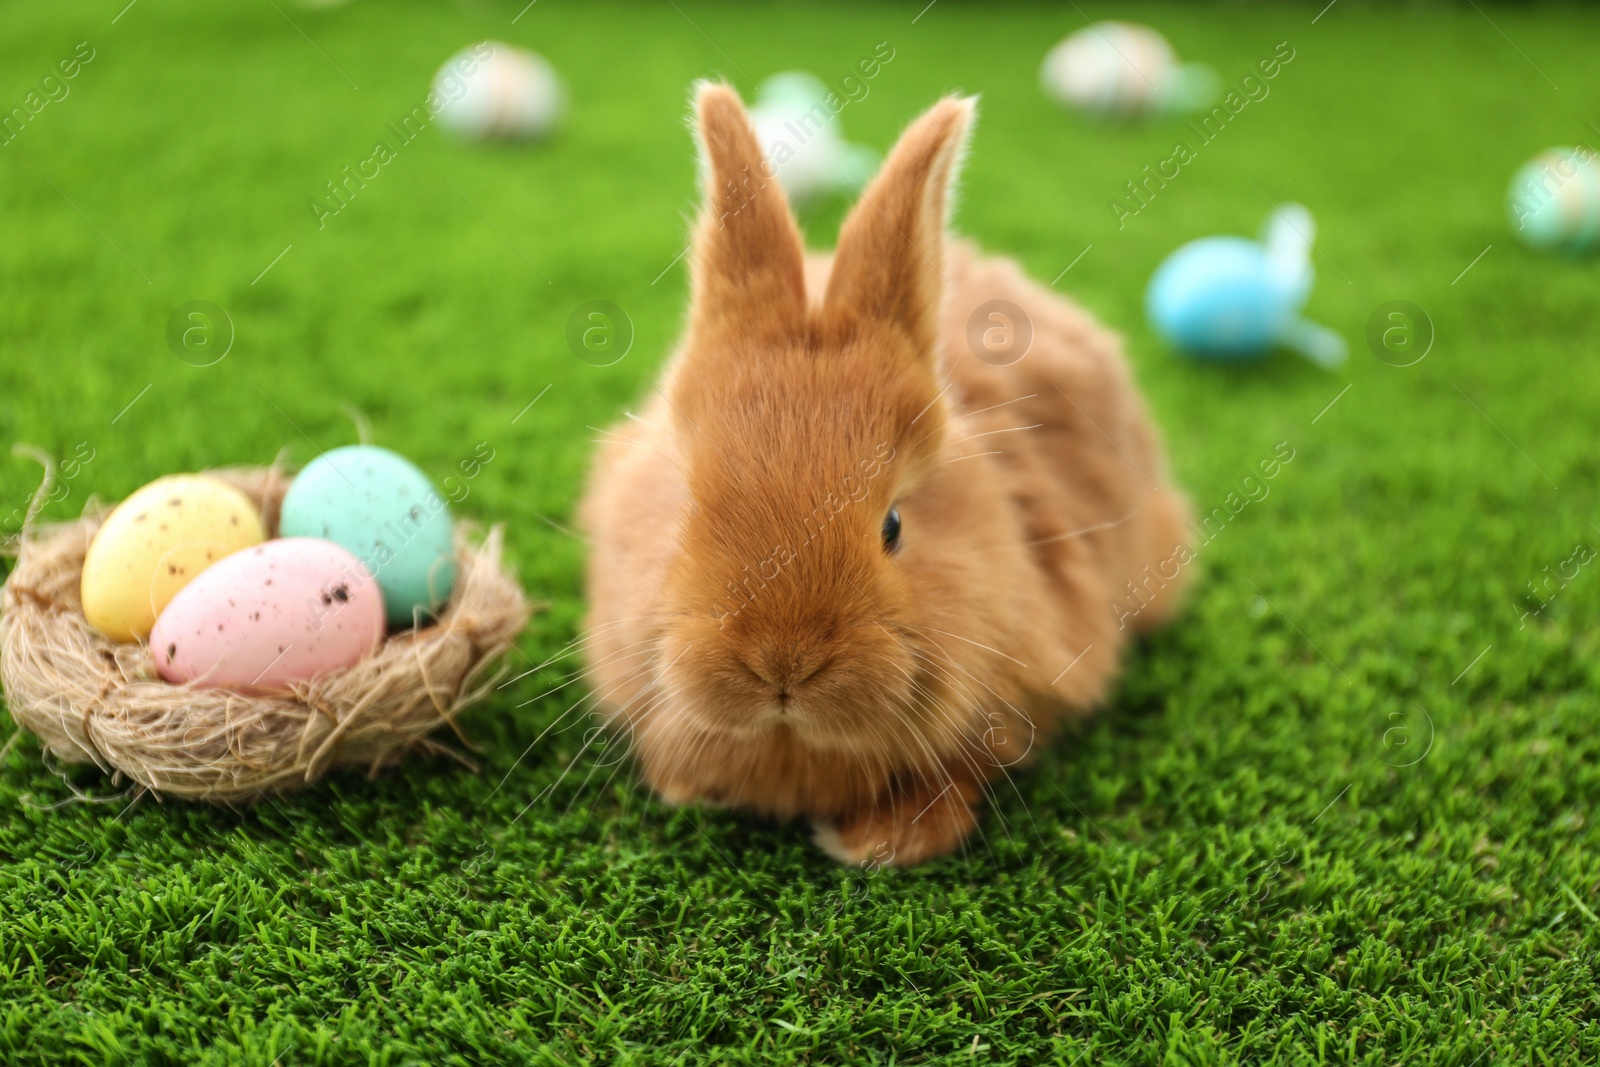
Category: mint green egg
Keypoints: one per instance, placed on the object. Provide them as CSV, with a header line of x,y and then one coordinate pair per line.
x,y
1554,201
383,510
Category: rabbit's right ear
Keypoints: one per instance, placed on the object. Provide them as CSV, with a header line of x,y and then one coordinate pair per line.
x,y
891,248
748,264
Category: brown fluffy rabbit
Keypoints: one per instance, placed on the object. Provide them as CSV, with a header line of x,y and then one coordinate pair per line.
x,y
841,566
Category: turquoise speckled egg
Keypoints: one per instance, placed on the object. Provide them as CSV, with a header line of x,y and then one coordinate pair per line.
x,y
383,510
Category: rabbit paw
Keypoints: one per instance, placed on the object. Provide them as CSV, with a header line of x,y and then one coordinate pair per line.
x,y
901,830
685,795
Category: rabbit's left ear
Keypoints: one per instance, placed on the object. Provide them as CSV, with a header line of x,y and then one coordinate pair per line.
x,y
890,262
749,261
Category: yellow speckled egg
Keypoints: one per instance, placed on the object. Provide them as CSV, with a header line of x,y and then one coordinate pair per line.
x,y
155,542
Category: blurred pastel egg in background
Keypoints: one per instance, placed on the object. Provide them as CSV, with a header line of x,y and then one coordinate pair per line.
x,y
1124,70
1554,201
1230,298
800,132
495,90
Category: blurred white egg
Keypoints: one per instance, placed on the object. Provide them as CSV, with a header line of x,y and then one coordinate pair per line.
x,y
799,131
494,90
1121,70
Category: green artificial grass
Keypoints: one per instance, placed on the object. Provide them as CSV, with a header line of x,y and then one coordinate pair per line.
x,y
1341,812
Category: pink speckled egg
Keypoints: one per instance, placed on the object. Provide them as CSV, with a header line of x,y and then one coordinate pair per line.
x,y
286,610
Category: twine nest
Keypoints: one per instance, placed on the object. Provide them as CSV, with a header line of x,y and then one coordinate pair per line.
x,y
91,700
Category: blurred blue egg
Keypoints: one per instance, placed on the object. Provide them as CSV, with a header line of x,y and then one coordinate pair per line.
x,y
1214,298
1233,299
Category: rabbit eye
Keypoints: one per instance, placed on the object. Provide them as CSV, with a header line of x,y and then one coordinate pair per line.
x,y
891,530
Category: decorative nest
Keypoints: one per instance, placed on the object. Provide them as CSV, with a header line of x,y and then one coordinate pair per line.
x,y
92,700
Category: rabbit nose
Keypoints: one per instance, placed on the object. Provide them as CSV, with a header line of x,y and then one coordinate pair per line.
x,y
784,669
